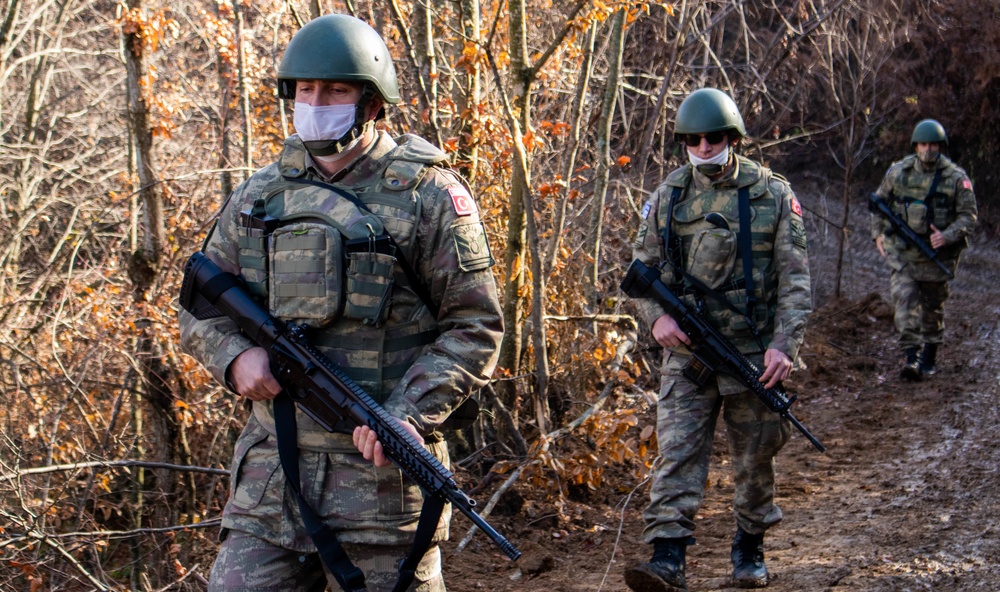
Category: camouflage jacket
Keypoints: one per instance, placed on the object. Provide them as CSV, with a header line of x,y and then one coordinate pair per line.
x,y
951,209
780,260
436,224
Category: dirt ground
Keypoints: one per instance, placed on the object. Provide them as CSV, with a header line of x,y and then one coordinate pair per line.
x,y
904,499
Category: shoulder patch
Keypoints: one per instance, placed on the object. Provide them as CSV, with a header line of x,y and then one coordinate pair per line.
x,y
645,210
966,184
798,233
463,202
796,206
471,246
640,237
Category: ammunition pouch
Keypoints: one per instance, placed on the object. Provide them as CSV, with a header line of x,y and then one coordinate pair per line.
x,y
306,273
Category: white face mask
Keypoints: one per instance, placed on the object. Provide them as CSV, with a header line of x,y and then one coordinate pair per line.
x,y
710,166
720,159
328,122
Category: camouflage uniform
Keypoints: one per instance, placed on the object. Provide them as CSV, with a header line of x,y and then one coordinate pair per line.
x,y
420,368
686,415
919,287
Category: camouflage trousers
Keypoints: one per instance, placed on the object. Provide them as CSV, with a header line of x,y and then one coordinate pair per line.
x,y
249,564
374,512
919,309
686,419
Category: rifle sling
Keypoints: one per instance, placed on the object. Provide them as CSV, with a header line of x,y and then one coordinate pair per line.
x,y
350,578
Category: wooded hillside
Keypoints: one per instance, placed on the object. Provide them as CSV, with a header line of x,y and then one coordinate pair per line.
x,y
124,126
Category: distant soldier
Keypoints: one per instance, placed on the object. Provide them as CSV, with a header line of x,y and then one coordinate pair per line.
x,y
378,249
934,197
729,236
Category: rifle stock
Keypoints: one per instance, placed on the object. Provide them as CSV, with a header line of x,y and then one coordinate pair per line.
x,y
899,226
319,387
710,349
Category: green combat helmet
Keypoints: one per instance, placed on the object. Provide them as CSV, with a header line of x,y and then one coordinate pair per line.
x,y
708,110
929,131
339,47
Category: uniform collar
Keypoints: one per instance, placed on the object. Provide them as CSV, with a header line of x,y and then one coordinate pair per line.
x,y
295,161
726,179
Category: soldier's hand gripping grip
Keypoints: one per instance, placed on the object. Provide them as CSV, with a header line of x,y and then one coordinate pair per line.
x,y
899,226
707,344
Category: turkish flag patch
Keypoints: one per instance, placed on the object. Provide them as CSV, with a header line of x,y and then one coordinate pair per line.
x,y
463,202
966,184
796,206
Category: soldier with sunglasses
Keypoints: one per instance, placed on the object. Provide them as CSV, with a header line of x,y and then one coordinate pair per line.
x,y
728,235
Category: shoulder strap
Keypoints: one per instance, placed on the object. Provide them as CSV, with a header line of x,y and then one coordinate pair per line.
x,y
746,248
671,243
350,578
934,184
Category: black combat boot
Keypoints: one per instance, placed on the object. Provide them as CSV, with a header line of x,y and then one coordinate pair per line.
x,y
664,572
911,370
748,560
928,359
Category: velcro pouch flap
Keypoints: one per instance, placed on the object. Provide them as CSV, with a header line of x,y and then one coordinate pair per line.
x,y
306,274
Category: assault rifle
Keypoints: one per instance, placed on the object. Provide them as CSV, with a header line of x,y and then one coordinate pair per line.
x,y
319,386
710,349
898,226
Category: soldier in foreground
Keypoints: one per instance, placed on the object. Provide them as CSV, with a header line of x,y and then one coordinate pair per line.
x,y
379,250
934,197
729,235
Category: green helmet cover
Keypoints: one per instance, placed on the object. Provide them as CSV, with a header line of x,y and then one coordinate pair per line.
x,y
708,110
929,131
338,47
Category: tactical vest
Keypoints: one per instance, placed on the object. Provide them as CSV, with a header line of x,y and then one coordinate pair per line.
x,y
318,259
921,198
713,255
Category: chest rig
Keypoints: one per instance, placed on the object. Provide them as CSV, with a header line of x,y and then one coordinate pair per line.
x,y
923,198
727,275
335,258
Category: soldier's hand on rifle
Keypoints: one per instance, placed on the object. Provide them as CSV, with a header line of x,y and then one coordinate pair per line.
x,y
369,446
250,374
880,244
937,238
777,367
667,333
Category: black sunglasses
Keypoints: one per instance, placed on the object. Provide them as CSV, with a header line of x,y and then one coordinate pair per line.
x,y
693,140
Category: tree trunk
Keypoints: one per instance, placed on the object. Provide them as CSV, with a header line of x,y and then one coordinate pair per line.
x,y
423,26
573,149
160,436
513,305
468,152
244,92
604,154
227,78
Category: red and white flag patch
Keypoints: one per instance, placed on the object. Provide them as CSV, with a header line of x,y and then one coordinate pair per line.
x,y
966,184
463,202
796,206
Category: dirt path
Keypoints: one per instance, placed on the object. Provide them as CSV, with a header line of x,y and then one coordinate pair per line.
x,y
906,498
